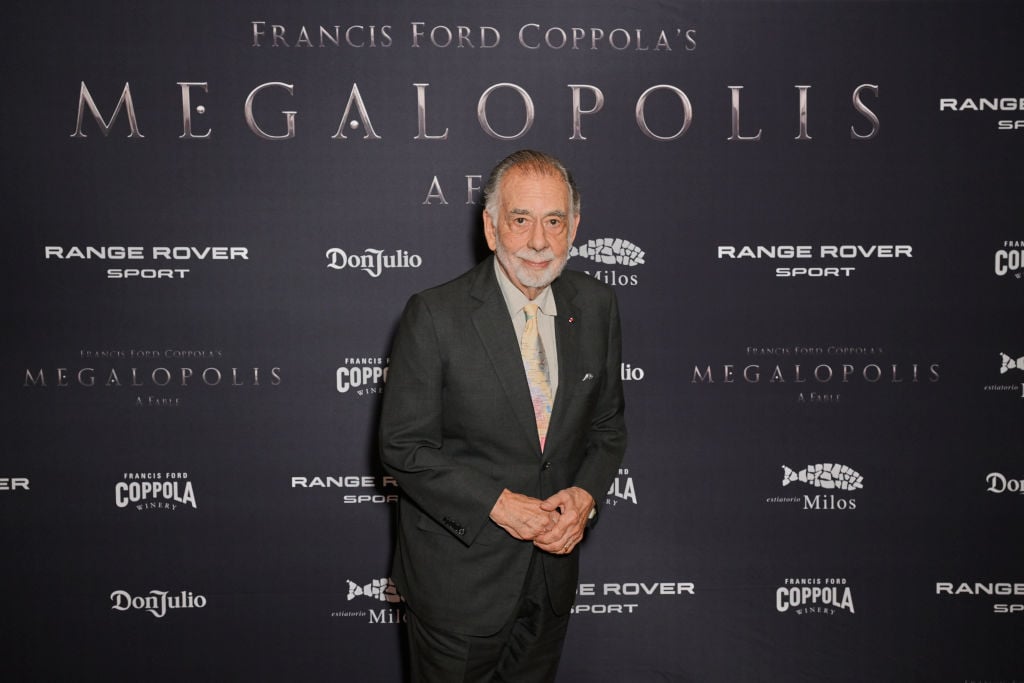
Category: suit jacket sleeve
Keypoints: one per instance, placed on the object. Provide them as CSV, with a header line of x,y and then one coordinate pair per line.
x,y
451,490
606,440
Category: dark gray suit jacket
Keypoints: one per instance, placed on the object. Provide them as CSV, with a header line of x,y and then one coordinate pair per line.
x,y
457,427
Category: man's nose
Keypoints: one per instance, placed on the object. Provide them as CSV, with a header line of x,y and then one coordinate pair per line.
x,y
538,238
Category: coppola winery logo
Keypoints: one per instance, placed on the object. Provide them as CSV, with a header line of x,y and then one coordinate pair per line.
x,y
814,596
622,489
362,376
1009,260
155,491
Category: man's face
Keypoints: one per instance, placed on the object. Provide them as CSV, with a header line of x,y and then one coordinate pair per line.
x,y
532,234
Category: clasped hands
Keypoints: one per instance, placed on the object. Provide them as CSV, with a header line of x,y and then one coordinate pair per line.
x,y
554,525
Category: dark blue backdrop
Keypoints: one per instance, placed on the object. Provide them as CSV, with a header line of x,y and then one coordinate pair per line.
x,y
199,318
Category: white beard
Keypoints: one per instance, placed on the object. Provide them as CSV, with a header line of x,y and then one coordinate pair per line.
x,y
528,277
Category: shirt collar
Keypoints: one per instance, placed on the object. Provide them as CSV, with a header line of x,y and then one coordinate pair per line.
x,y
515,299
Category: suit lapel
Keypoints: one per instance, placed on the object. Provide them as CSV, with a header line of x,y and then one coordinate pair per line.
x,y
567,338
493,324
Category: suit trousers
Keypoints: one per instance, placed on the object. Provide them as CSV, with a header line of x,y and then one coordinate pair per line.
x,y
527,649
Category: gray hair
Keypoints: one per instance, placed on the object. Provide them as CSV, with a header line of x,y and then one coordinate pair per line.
x,y
530,161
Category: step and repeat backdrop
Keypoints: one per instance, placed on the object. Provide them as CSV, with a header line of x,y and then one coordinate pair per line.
x,y
811,213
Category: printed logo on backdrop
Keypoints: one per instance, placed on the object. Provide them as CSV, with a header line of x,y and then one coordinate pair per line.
x,y
150,378
14,484
814,596
622,490
999,113
378,602
155,491
358,489
1010,370
614,257
365,376
1009,260
627,597
1005,597
587,100
421,35
145,263
807,261
156,602
834,483
659,42
999,483
372,261
651,41
816,375
631,373
1010,363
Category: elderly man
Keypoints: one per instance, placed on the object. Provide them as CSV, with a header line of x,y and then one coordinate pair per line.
x,y
503,424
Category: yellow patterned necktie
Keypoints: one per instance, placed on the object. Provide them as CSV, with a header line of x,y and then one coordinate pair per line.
x,y
536,365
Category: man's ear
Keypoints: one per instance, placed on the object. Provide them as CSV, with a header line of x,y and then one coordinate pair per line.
x,y
490,231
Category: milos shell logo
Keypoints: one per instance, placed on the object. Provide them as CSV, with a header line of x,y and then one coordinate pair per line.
x,y
825,476
378,589
610,251
1010,363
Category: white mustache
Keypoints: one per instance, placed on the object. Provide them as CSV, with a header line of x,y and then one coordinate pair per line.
x,y
533,256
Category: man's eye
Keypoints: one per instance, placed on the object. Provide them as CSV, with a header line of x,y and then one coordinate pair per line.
x,y
519,221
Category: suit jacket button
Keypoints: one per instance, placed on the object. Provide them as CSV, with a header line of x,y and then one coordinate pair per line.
x,y
547,465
